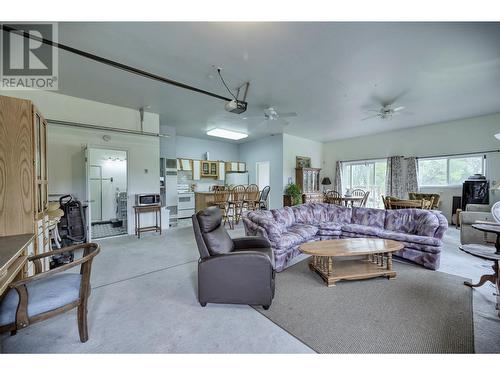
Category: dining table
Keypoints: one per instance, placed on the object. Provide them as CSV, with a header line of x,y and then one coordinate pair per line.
x,y
350,200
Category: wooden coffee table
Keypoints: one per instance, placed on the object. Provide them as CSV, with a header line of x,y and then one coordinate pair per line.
x,y
376,258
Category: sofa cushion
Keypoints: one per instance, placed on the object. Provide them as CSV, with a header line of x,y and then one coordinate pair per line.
x,y
305,231
320,212
339,214
368,216
304,214
43,295
412,221
290,239
405,237
362,229
284,217
218,241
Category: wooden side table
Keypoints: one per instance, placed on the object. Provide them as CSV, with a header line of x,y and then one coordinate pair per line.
x,y
138,210
487,253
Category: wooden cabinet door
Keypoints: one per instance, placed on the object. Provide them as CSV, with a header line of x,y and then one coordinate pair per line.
x,y
242,167
213,169
222,172
196,170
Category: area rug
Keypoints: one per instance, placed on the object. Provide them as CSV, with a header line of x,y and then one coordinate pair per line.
x,y
420,311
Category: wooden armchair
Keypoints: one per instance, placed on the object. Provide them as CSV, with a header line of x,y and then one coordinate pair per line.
x,y
396,204
50,293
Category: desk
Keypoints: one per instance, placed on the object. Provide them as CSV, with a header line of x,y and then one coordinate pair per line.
x,y
13,258
138,210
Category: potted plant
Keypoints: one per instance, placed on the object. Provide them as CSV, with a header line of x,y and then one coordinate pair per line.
x,y
293,191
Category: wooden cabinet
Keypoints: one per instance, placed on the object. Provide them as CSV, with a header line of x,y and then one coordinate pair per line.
x,y
209,168
309,183
23,171
222,171
236,166
184,164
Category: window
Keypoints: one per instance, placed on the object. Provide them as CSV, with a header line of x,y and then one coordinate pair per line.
x,y
368,175
448,171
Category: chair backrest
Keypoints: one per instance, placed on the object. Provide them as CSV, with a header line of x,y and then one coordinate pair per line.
x,y
396,204
333,197
252,192
365,199
238,193
211,236
427,196
264,193
358,193
221,197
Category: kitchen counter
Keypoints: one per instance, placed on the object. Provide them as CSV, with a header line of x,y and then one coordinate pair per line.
x,y
203,199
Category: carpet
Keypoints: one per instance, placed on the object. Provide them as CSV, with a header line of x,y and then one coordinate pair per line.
x,y
420,311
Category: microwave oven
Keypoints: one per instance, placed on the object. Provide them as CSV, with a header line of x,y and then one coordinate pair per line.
x,y
147,199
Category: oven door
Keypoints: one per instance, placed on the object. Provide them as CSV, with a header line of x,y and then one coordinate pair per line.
x,y
185,201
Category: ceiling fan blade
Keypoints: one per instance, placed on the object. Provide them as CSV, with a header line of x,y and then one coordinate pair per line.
x,y
289,114
369,117
397,109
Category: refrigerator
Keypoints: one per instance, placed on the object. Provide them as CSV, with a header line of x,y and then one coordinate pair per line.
x,y
236,178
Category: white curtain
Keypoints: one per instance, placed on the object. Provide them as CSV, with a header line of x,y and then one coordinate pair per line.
x,y
411,174
337,183
394,185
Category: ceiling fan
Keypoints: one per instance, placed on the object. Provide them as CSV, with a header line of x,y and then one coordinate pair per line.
x,y
270,114
385,112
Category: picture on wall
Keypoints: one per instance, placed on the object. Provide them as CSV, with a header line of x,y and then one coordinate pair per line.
x,y
302,162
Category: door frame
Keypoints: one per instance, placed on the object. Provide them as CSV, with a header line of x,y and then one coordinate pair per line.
x,y
87,149
269,177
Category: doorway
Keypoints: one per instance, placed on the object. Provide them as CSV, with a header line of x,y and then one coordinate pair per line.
x,y
107,183
263,175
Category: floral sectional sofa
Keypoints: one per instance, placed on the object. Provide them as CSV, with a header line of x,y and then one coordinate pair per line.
x,y
287,228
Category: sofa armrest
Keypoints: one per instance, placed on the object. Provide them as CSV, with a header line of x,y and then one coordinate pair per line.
x,y
471,217
251,242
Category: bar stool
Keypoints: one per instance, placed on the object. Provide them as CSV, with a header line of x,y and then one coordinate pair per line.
x,y
221,200
251,200
236,202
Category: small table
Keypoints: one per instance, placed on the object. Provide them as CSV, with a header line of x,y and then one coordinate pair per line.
x,y
138,210
350,200
377,260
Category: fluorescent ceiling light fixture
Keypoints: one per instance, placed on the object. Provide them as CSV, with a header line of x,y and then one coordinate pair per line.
x,y
224,133
497,136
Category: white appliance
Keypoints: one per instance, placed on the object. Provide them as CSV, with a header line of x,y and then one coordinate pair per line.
x,y
236,178
171,189
185,205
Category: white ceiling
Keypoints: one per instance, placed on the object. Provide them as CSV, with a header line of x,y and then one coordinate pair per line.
x,y
329,73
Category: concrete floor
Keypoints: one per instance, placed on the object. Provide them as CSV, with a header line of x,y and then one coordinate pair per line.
x,y
144,301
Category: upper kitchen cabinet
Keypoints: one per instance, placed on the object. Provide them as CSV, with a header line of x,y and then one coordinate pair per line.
x,y
236,166
196,169
184,165
209,168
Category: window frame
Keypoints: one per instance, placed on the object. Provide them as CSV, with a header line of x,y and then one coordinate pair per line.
x,y
448,158
348,184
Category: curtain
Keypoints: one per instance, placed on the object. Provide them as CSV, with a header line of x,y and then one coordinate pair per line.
x,y
394,185
337,184
411,175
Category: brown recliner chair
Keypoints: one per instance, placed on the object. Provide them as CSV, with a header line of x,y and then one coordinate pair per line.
x,y
230,270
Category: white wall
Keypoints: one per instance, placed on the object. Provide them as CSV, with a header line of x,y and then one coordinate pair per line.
x,y
295,146
462,136
195,148
266,149
66,164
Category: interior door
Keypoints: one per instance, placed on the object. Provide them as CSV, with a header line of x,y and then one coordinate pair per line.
x,y
86,192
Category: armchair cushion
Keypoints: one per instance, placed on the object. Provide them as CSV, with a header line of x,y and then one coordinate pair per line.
x,y
244,243
43,295
218,241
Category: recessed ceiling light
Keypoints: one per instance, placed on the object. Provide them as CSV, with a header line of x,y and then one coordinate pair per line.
x,y
224,133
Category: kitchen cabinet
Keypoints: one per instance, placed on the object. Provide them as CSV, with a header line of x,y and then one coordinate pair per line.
x,y
184,164
222,171
196,170
209,168
236,166
24,178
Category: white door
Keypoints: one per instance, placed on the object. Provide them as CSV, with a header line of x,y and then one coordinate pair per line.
x,y
87,199
263,174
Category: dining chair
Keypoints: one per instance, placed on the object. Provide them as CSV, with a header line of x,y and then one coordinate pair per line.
x,y
50,293
251,199
333,197
236,202
358,193
221,200
263,198
365,199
